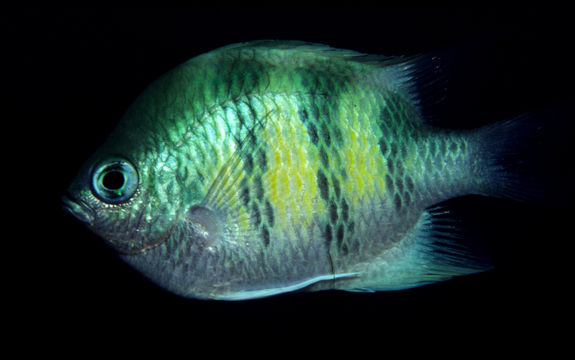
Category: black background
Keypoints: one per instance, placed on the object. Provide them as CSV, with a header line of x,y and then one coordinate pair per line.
x,y
71,73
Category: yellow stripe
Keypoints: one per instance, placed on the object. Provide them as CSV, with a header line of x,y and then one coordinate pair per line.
x,y
361,157
290,179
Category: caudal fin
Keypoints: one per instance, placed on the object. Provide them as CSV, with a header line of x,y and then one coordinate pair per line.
x,y
528,158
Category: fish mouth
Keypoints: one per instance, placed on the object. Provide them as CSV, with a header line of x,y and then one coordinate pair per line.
x,y
79,209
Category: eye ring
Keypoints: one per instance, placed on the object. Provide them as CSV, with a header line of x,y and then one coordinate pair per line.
x,y
114,181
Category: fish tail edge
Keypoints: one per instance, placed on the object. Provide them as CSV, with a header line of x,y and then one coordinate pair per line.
x,y
525,158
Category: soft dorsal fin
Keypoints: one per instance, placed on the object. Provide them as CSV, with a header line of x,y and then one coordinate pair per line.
x,y
421,77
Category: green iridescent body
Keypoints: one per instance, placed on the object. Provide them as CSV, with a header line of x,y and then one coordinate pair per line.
x,y
269,167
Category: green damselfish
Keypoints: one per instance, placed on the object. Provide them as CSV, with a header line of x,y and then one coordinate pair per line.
x,y
273,166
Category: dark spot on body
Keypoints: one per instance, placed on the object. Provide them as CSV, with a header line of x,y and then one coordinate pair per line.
x,y
266,236
256,214
336,188
344,249
248,163
328,234
333,212
245,192
344,210
200,176
390,167
453,147
324,132
304,116
312,132
269,212
339,234
382,146
399,184
337,136
258,187
397,201
323,185
262,160
350,227
393,149
323,157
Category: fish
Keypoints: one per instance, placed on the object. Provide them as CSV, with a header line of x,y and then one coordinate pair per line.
x,y
268,167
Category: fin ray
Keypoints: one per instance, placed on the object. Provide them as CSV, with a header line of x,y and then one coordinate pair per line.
x,y
441,246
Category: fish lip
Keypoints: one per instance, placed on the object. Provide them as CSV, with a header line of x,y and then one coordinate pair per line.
x,y
78,208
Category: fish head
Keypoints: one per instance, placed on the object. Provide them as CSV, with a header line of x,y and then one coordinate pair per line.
x,y
111,196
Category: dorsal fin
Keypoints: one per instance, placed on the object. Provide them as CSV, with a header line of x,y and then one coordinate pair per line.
x,y
420,77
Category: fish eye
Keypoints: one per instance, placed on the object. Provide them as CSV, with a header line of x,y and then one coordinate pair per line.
x,y
114,181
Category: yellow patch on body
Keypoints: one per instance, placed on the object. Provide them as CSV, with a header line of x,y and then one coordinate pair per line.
x,y
290,179
364,165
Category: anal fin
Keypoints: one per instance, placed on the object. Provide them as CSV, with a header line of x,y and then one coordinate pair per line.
x,y
440,246
449,245
259,293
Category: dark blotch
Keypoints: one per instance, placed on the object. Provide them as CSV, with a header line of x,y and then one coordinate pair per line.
x,y
315,111
252,72
256,214
399,168
241,118
344,210
333,212
393,148
336,187
262,160
397,201
337,136
269,214
399,184
328,234
248,163
350,227
339,235
245,192
259,188
304,115
322,184
312,132
382,146
453,147
200,176
266,236
324,132
323,157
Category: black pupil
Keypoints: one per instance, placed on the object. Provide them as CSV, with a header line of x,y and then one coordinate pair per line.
x,y
113,180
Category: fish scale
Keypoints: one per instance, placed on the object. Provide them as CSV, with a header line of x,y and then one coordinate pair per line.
x,y
267,167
